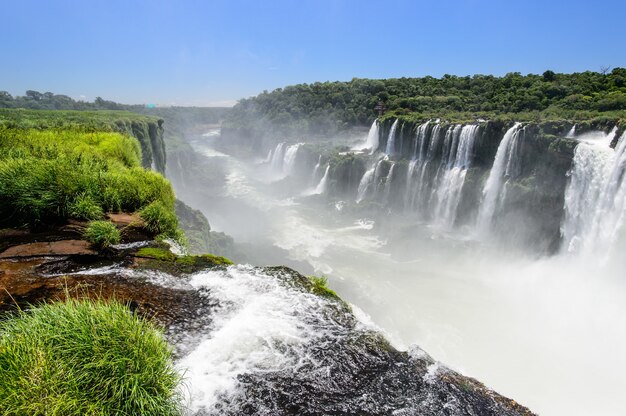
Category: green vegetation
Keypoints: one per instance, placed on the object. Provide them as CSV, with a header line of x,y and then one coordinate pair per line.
x,y
48,176
324,108
102,234
53,174
85,208
165,260
147,130
81,357
160,219
319,286
161,254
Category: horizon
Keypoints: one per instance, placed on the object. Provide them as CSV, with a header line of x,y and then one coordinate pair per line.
x,y
212,55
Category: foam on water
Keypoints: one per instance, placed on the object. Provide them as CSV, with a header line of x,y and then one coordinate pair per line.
x,y
260,325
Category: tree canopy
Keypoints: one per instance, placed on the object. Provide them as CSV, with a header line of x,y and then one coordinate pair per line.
x,y
325,106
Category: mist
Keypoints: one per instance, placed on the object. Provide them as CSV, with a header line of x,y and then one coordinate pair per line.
x,y
534,321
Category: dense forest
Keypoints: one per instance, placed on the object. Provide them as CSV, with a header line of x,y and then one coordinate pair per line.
x,y
329,106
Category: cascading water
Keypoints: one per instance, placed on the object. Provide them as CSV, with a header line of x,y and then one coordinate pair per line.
x,y
595,198
262,326
445,162
416,182
316,170
451,184
388,181
505,166
290,158
321,187
391,140
369,179
372,137
421,138
283,159
572,132
276,163
365,183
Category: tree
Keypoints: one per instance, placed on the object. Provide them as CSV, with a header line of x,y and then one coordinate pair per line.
x,y
549,76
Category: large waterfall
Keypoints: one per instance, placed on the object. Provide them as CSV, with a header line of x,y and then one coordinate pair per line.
x,y
505,166
595,199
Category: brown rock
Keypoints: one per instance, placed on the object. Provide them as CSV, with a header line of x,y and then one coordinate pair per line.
x,y
51,248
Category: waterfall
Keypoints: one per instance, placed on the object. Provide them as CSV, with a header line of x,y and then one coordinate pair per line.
x,y
571,133
420,141
595,197
388,179
278,156
505,166
268,159
448,193
416,183
369,177
365,183
321,187
316,170
290,158
391,140
372,137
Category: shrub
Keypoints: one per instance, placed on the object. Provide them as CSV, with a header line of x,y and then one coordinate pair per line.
x,y
102,234
81,357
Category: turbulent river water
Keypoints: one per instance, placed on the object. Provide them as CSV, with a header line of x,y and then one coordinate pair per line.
x,y
547,331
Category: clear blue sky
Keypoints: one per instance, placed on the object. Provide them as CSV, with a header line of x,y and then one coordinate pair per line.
x,y
206,52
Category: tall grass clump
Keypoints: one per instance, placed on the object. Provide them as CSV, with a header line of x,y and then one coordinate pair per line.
x,y
160,219
81,357
102,234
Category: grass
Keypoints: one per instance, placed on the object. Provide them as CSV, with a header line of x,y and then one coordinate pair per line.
x,y
102,234
319,286
80,357
159,218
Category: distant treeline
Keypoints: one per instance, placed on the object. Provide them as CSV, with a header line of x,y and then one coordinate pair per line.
x,y
36,100
178,120
324,107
